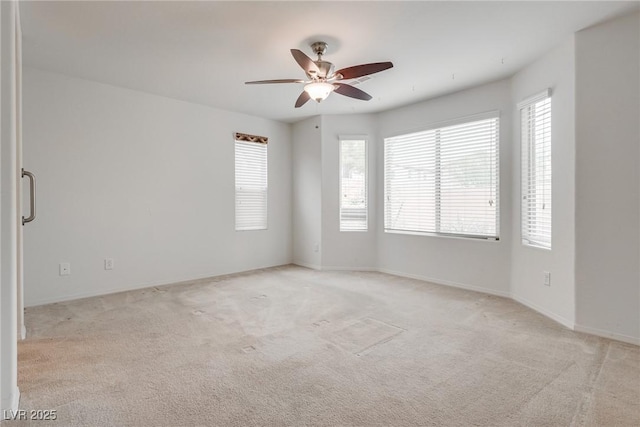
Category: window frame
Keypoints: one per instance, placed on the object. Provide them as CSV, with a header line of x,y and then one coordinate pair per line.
x,y
525,238
365,140
494,114
246,140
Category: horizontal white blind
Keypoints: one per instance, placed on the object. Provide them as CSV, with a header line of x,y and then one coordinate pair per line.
x,y
251,185
444,180
353,185
536,173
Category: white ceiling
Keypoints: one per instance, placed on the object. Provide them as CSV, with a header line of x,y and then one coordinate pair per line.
x,y
203,52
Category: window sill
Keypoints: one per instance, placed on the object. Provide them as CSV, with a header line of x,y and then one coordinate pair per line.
x,y
447,236
527,244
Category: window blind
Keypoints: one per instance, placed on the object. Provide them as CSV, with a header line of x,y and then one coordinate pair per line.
x,y
251,185
353,185
444,180
536,172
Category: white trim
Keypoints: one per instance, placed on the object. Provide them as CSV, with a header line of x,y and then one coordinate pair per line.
x,y
534,98
561,320
307,265
551,315
446,283
19,164
564,322
23,332
468,237
118,289
348,137
527,244
607,334
333,268
102,292
12,402
9,175
354,269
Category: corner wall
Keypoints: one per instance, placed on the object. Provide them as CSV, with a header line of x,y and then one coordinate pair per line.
x,y
307,192
144,180
555,70
355,250
468,263
608,179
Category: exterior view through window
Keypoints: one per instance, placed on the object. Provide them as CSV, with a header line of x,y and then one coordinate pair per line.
x,y
353,185
444,180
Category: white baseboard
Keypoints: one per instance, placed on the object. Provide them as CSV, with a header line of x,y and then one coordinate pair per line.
x,y
107,291
118,289
325,268
607,334
553,316
307,265
446,283
12,402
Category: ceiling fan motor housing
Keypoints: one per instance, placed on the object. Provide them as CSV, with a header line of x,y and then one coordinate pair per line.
x,y
325,70
319,48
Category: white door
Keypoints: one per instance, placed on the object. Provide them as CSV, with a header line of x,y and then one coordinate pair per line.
x,y
10,198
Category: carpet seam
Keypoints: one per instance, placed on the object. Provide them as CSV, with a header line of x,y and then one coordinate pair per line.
x,y
584,405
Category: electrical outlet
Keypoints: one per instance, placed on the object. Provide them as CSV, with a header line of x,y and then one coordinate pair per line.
x,y
316,247
65,268
108,263
547,278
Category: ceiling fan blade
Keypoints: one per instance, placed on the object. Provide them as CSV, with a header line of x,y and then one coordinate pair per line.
x,y
363,70
351,92
305,62
263,82
302,99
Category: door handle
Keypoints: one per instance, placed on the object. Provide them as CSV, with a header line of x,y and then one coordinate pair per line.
x,y
32,196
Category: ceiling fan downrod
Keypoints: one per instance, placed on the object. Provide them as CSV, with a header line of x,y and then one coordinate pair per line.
x,y
319,48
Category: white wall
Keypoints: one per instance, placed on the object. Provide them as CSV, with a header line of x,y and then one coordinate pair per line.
x,y
607,178
142,179
471,263
555,70
307,192
354,250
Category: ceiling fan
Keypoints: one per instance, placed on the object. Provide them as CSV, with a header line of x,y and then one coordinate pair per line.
x,y
323,79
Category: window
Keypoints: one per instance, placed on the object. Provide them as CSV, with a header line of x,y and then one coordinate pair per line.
x,y
444,180
353,185
251,182
535,114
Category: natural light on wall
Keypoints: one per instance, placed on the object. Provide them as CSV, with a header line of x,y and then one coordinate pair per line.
x,y
444,180
353,185
535,122
251,182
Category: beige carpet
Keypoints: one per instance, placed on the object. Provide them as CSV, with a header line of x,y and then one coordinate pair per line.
x,y
294,347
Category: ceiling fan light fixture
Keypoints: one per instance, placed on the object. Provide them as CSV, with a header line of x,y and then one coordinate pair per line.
x,y
318,91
